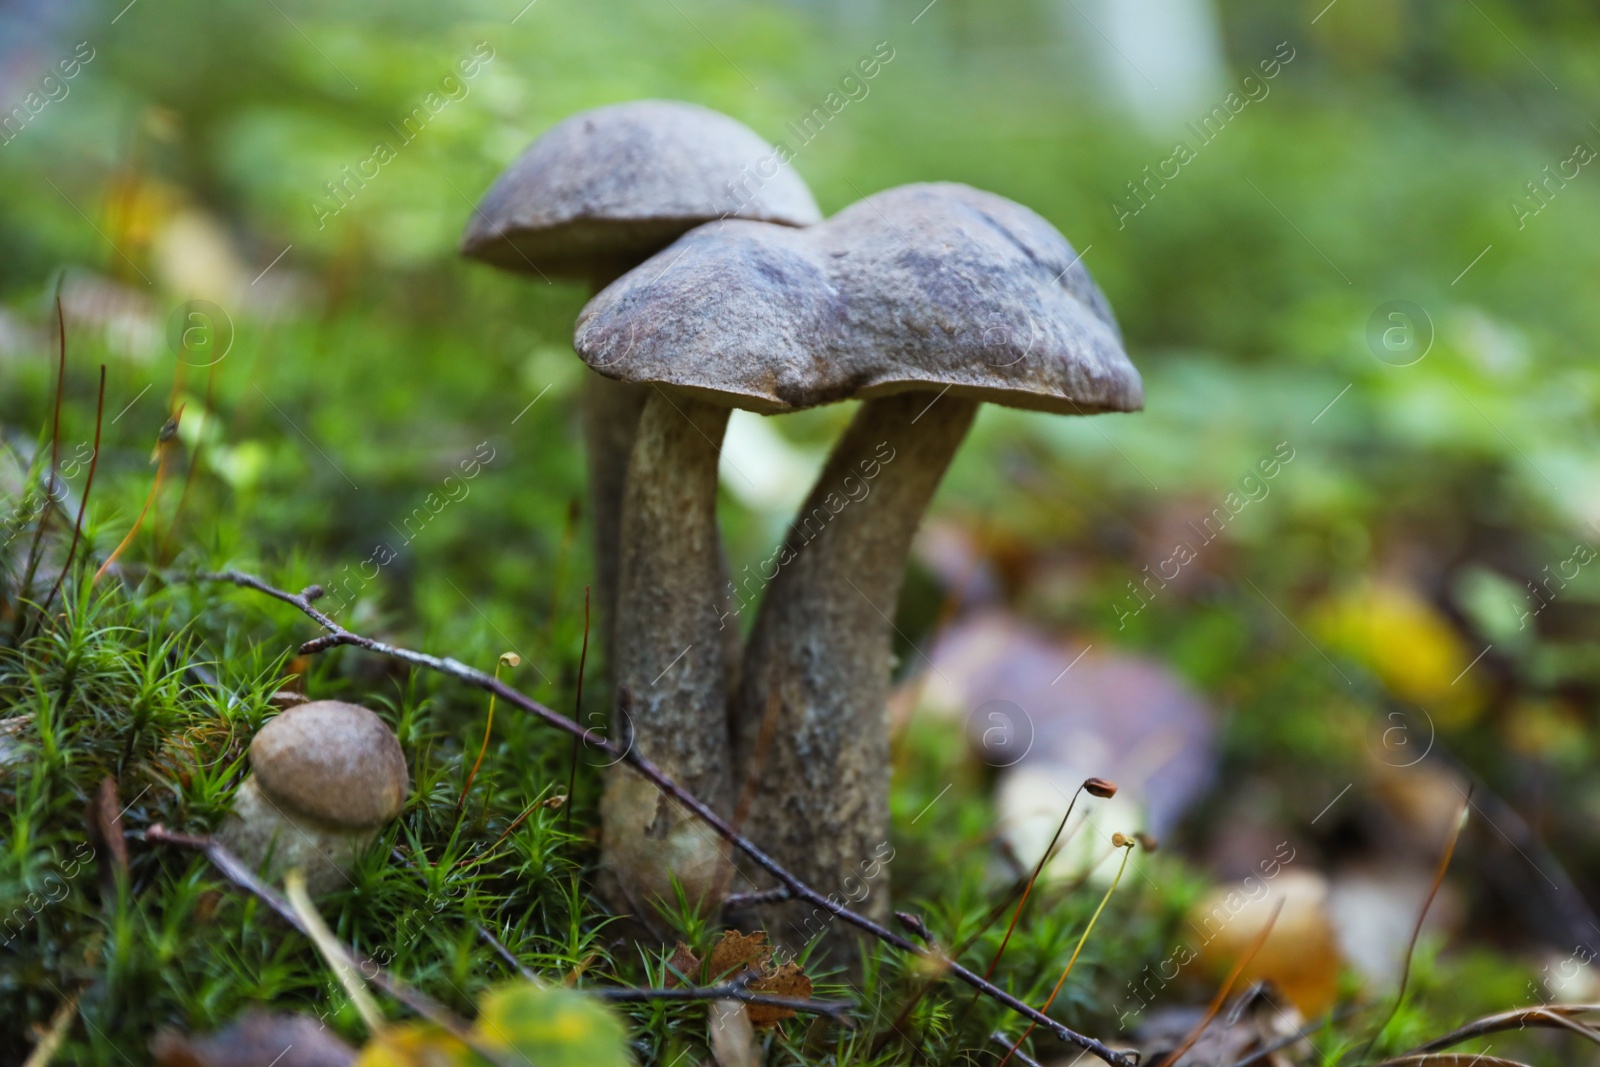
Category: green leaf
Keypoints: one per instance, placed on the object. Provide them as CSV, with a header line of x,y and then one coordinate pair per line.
x,y
552,1027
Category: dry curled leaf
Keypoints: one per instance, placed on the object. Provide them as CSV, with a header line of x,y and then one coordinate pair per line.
x,y
735,951
787,980
683,962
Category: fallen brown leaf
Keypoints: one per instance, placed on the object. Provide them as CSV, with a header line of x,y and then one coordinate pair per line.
x,y
683,962
735,951
787,980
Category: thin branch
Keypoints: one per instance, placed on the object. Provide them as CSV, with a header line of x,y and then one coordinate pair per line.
x,y
234,869
837,1010
1021,1057
744,901
504,953
54,1034
337,635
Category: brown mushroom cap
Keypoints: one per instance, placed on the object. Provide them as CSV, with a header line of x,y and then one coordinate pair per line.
x,y
337,763
606,188
920,287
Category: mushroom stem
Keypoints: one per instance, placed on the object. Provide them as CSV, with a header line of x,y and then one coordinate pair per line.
x,y
610,422
611,411
670,665
823,641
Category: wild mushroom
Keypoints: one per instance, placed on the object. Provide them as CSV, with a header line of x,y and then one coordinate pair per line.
x,y
325,778
596,195
925,300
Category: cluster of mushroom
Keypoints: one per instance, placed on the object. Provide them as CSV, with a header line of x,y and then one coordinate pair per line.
x,y
923,301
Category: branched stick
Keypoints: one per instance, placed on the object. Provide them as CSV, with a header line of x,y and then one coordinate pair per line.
x,y
337,635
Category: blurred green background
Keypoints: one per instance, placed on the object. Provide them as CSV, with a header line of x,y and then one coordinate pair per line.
x,y
1383,256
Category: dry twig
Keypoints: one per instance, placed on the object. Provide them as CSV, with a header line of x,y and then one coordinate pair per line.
x,y
236,871
837,1010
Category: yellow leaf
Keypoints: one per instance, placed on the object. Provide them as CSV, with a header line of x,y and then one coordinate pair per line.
x,y
1409,645
416,1045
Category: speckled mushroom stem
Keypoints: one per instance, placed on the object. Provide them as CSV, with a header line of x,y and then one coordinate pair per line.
x,y
611,412
670,665
822,643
